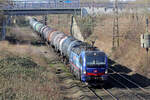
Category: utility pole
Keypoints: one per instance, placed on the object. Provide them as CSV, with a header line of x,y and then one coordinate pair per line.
x,y
45,18
115,42
145,41
3,31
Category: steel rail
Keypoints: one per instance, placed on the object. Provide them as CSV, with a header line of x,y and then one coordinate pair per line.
x,y
92,90
130,81
141,98
108,92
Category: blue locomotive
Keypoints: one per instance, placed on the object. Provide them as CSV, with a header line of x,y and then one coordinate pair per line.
x,y
87,63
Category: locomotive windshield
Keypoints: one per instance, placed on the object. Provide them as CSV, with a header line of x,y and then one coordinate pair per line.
x,y
95,59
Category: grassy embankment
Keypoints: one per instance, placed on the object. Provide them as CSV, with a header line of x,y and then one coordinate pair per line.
x,y
22,78
25,70
131,26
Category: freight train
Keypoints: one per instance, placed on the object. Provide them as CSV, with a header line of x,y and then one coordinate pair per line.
x,y
87,63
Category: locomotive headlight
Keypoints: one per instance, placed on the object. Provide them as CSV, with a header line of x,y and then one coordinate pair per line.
x,y
106,71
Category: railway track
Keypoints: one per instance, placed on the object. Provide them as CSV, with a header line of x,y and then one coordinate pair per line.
x,y
99,94
126,92
135,84
128,84
108,92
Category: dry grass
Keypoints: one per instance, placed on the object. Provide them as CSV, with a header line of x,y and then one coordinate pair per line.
x,y
21,79
129,53
24,69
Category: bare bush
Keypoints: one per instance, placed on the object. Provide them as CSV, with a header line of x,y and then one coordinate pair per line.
x,y
21,78
86,25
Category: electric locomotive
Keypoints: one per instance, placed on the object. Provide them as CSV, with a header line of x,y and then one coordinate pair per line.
x,y
88,64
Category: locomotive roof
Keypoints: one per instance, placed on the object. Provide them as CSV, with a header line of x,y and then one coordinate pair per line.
x,y
83,47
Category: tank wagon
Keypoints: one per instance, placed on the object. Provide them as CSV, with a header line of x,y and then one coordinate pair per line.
x,y
87,63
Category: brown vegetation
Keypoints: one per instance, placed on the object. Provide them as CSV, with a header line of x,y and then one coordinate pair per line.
x,y
30,70
25,69
129,53
86,25
22,78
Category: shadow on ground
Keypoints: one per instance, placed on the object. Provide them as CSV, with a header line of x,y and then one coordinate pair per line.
x,y
124,71
13,40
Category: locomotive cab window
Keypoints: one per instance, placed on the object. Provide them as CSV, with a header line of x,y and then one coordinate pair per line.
x,y
95,59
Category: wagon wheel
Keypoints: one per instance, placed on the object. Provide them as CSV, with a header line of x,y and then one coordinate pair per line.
x,y
79,75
